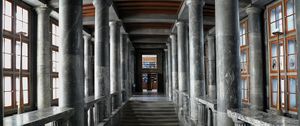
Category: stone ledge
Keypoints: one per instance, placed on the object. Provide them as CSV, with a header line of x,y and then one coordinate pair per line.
x,y
210,103
39,117
260,118
92,100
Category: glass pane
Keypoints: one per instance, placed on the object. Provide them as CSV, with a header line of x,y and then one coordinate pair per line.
x,y
18,48
7,83
290,7
25,28
274,85
149,61
291,46
25,83
278,12
19,26
25,49
273,28
25,97
292,85
7,45
274,50
290,23
17,84
24,63
19,13
274,99
8,99
7,23
18,62
7,61
274,64
241,41
293,103
291,62
272,15
282,99
25,15
281,62
8,8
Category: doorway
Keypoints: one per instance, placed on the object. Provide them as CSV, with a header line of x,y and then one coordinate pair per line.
x,y
150,82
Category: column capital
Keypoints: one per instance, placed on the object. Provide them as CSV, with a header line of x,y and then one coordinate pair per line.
x,y
44,9
253,10
180,23
172,36
115,23
195,2
101,3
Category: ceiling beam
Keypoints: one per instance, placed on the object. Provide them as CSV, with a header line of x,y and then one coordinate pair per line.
x,y
149,46
149,32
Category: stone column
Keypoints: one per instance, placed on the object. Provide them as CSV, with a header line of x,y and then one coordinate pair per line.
x,y
71,69
196,47
182,64
211,45
101,59
297,5
174,67
256,58
123,66
170,70
87,65
166,72
1,74
43,58
228,66
115,89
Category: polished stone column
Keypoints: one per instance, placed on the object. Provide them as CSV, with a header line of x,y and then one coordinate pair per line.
x,y
166,83
211,45
71,69
297,5
196,47
174,67
170,70
256,58
87,65
182,59
123,66
228,66
43,58
115,62
1,74
101,59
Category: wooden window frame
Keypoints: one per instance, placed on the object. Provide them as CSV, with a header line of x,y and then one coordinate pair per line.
x,y
278,57
287,54
247,79
13,71
271,91
288,93
286,16
269,18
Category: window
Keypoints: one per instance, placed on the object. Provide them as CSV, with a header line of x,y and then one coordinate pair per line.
x,y
149,61
290,15
245,89
275,19
282,53
55,48
16,56
292,93
291,54
244,60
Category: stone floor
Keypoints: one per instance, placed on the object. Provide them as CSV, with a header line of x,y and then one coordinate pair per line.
x,y
148,96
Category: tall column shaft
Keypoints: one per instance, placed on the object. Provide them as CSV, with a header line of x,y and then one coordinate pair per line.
x,y
43,58
166,80
87,66
196,47
114,61
101,57
174,66
1,74
297,5
123,66
182,64
228,66
212,93
256,58
71,70
170,70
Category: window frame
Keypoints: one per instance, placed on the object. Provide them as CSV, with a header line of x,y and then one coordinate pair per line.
x,y
288,93
13,71
287,53
54,74
269,17
286,16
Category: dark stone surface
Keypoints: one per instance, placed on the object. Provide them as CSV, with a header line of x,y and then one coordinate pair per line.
x,y
260,118
228,64
71,69
1,82
256,58
39,117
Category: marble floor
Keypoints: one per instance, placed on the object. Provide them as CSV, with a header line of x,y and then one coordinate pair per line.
x,y
149,96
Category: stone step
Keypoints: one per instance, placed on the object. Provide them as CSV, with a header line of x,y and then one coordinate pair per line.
x,y
148,124
150,120
151,117
149,110
148,113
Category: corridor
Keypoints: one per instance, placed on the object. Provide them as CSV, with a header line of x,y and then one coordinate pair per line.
x,y
150,63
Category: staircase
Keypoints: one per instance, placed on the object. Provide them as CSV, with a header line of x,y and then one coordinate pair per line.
x,y
149,113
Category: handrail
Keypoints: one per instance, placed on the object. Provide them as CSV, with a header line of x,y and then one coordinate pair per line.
x,y
39,117
209,102
92,100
